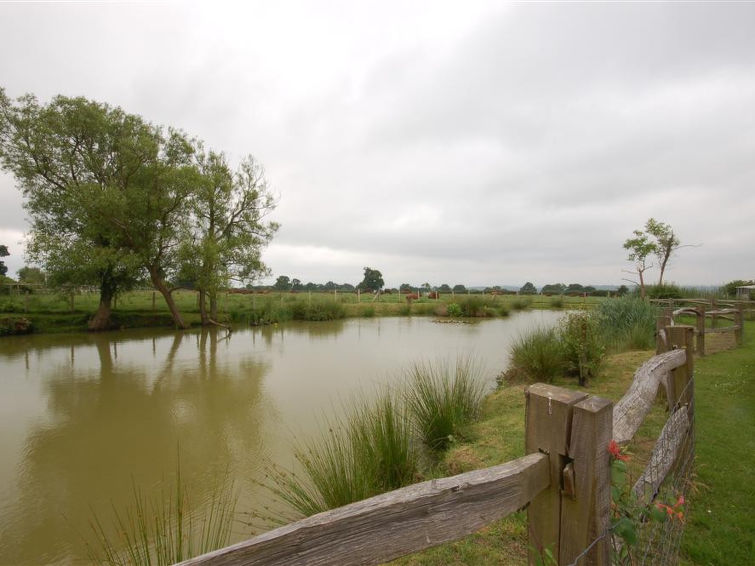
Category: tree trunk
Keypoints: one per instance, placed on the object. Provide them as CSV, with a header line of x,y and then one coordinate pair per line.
x,y
160,285
203,308
101,319
214,305
642,286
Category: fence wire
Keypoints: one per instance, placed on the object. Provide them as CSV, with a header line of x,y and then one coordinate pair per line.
x,y
659,541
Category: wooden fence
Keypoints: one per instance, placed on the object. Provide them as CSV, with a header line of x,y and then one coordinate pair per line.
x,y
708,316
564,481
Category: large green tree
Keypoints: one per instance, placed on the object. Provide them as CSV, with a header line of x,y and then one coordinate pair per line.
x,y
63,154
31,276
228,228
373,280
113,198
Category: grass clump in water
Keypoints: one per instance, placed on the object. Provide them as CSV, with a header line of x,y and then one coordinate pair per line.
x,y
162,530
443,399
369,451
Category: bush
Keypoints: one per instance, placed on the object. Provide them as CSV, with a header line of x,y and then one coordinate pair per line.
x,y
582,345
472,306
663,292
454,310
539,354
11,325
443,399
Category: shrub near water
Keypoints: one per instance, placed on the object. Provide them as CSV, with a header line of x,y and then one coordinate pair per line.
x,y
582,345
443,399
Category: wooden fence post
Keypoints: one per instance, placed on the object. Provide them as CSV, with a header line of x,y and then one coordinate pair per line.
x,y
701,330
586,511
739,320
665,318
681,337
548,419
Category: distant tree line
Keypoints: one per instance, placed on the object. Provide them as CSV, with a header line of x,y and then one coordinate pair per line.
x,y
115,201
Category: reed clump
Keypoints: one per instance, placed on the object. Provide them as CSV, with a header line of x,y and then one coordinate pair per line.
x,y
368,451
444,398
539,354
374,448
627,323
163,529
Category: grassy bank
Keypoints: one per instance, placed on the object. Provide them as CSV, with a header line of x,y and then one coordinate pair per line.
x,y
720,521
59,312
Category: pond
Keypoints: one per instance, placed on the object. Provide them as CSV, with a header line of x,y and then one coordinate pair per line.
x,y
85,418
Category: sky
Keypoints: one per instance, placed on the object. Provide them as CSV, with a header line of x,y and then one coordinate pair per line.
x,y
481,143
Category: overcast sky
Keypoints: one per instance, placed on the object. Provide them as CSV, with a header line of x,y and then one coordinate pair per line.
x,y
479,143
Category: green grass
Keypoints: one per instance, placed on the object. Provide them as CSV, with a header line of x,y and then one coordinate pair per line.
x,y
721,521
444,398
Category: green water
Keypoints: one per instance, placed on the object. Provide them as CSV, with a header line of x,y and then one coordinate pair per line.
x,y
85,417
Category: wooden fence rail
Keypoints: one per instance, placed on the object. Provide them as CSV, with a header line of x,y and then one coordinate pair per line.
x,y
564,481
396,523
702,313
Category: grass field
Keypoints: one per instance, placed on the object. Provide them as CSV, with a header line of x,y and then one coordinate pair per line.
x,y
720,521
59,312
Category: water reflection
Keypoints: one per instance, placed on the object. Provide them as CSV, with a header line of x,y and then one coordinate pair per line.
x,y
82,416
122,419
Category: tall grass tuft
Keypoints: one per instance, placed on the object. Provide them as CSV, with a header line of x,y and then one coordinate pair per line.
x,y
627,323
521,303
161,531
539,354
366,452
443,399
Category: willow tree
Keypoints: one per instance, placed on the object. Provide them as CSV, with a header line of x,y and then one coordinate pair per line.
x,y
228,229
106,192
60,154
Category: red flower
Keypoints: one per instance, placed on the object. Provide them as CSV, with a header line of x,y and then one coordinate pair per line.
x,y
615,451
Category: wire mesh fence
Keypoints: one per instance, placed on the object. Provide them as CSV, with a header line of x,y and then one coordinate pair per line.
x,y
665,484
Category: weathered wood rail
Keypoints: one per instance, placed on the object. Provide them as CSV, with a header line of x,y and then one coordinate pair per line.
x,y
396,523
703,310
564,481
